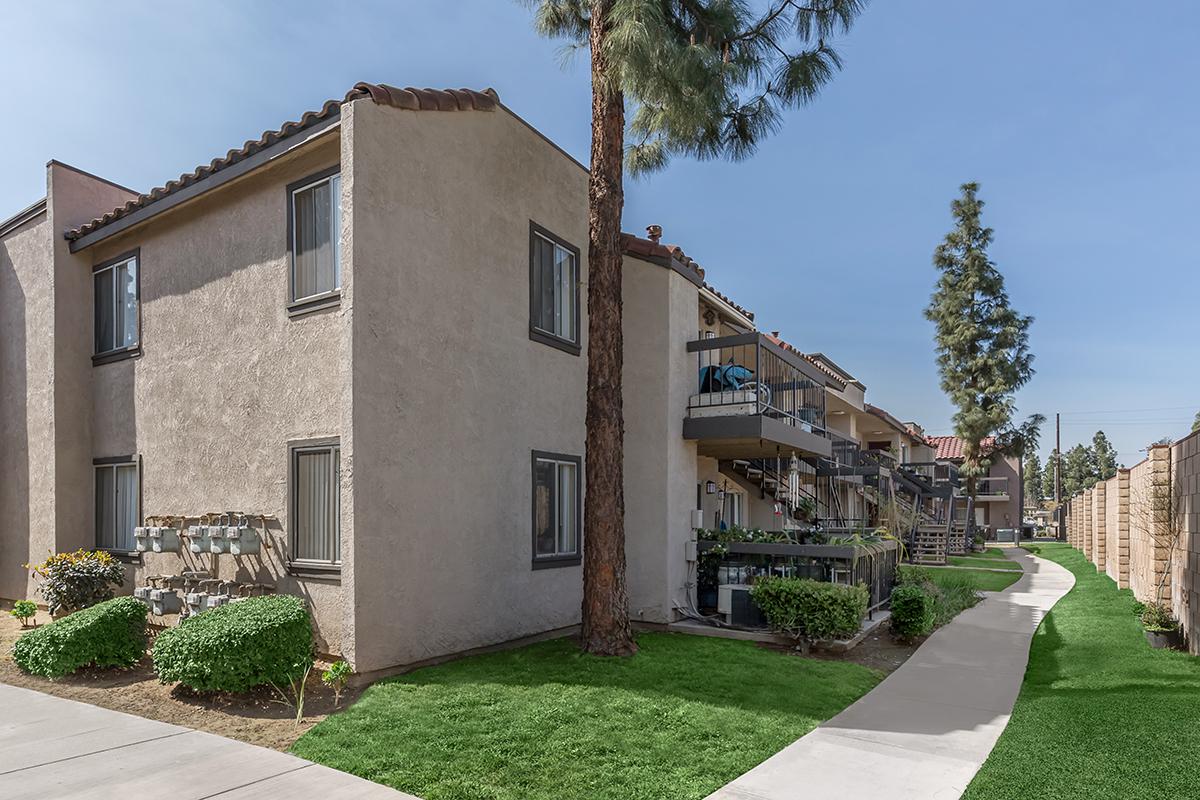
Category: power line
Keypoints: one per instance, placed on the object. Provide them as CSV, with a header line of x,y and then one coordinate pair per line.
x,y
1132,410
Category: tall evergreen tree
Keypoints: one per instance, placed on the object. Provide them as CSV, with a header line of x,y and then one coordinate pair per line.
x,y
705,78
982,342
1196,422
1104,457
1079,469
1048,478
1033,480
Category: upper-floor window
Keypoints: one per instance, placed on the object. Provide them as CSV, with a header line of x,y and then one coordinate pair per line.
x,y
116,297
314,225
553,290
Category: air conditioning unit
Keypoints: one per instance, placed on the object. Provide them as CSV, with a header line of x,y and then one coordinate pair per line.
x,y
733,601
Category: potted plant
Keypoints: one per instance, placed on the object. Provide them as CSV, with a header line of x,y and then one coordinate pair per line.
x,y
1162,629
978,544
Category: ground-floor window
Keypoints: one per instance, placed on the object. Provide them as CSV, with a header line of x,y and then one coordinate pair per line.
x,y
557,510
315,502
735,504
118,502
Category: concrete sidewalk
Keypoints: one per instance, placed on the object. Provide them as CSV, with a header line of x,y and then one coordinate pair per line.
x,y
56,748
926,729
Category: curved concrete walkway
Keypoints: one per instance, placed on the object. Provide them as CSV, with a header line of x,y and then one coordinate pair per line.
x,y
926,729
51,747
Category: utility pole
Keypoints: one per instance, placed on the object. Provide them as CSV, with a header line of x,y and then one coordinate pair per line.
x,y
1058,509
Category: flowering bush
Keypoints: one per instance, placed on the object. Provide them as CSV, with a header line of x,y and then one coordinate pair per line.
x,y
71,581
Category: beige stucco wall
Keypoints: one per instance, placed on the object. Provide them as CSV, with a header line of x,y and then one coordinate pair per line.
x,y
45,371
226,379
662,469
1085,513
26,401
450,394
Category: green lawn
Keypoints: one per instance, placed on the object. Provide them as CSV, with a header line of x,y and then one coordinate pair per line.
x,y
984,563
983,580
990,552
684,716
1100,713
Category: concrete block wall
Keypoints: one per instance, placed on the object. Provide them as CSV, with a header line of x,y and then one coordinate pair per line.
x,y
1149,482
1185,567
1116,527
1099,533
1085,515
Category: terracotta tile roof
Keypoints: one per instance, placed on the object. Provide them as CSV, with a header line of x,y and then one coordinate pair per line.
x,y
837,379
906,427
409,99
950,448
645,248
745,312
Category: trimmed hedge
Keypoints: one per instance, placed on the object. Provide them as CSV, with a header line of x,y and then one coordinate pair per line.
x,y
110,634
913,611
238,646
812,609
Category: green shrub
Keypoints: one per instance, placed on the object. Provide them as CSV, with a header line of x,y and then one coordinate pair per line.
x,y
71,581
23,610
262,640
111,634
954,592
1157,618
912,611
811,609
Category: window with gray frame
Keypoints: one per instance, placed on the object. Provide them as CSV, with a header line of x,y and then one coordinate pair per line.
x,y
116,298
118,503
316,503
314,231
553,290
557,513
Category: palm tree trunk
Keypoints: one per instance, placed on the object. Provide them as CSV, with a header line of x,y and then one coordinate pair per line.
x,y
606,629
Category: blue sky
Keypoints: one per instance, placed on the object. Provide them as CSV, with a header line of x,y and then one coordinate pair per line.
x,y
1079,119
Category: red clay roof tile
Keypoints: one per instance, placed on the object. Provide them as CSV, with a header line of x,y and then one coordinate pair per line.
x,y
409,99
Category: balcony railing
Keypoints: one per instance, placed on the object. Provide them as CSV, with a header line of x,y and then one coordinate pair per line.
x,y
937,473
846,451
991,488
747,374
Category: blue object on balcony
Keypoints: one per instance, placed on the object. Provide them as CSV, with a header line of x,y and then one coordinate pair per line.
x,y
730,377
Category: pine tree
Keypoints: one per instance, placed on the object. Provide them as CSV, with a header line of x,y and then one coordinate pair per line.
x,y
706,78
982,342
1033,480
1079,469
1048,478
1104,457
1196,422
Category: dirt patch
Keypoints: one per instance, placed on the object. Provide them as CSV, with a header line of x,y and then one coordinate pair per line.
x,y
258,717
878,651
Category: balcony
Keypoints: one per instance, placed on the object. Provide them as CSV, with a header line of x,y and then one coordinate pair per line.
x,y
755,399
991,490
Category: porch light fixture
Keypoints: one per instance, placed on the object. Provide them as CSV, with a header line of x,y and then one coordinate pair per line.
x,y
710,487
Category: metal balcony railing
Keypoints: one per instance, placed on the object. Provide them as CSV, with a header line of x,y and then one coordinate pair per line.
x,y
991,487
748,374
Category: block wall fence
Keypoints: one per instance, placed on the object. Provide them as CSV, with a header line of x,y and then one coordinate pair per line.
x,y
1141,527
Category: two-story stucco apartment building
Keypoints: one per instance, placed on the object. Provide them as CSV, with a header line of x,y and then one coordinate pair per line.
x,y
362,337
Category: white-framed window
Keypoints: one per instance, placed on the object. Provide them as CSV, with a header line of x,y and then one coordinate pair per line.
x,y
118,502
116,300
735,504
557,510
553,290
315,502
314,234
